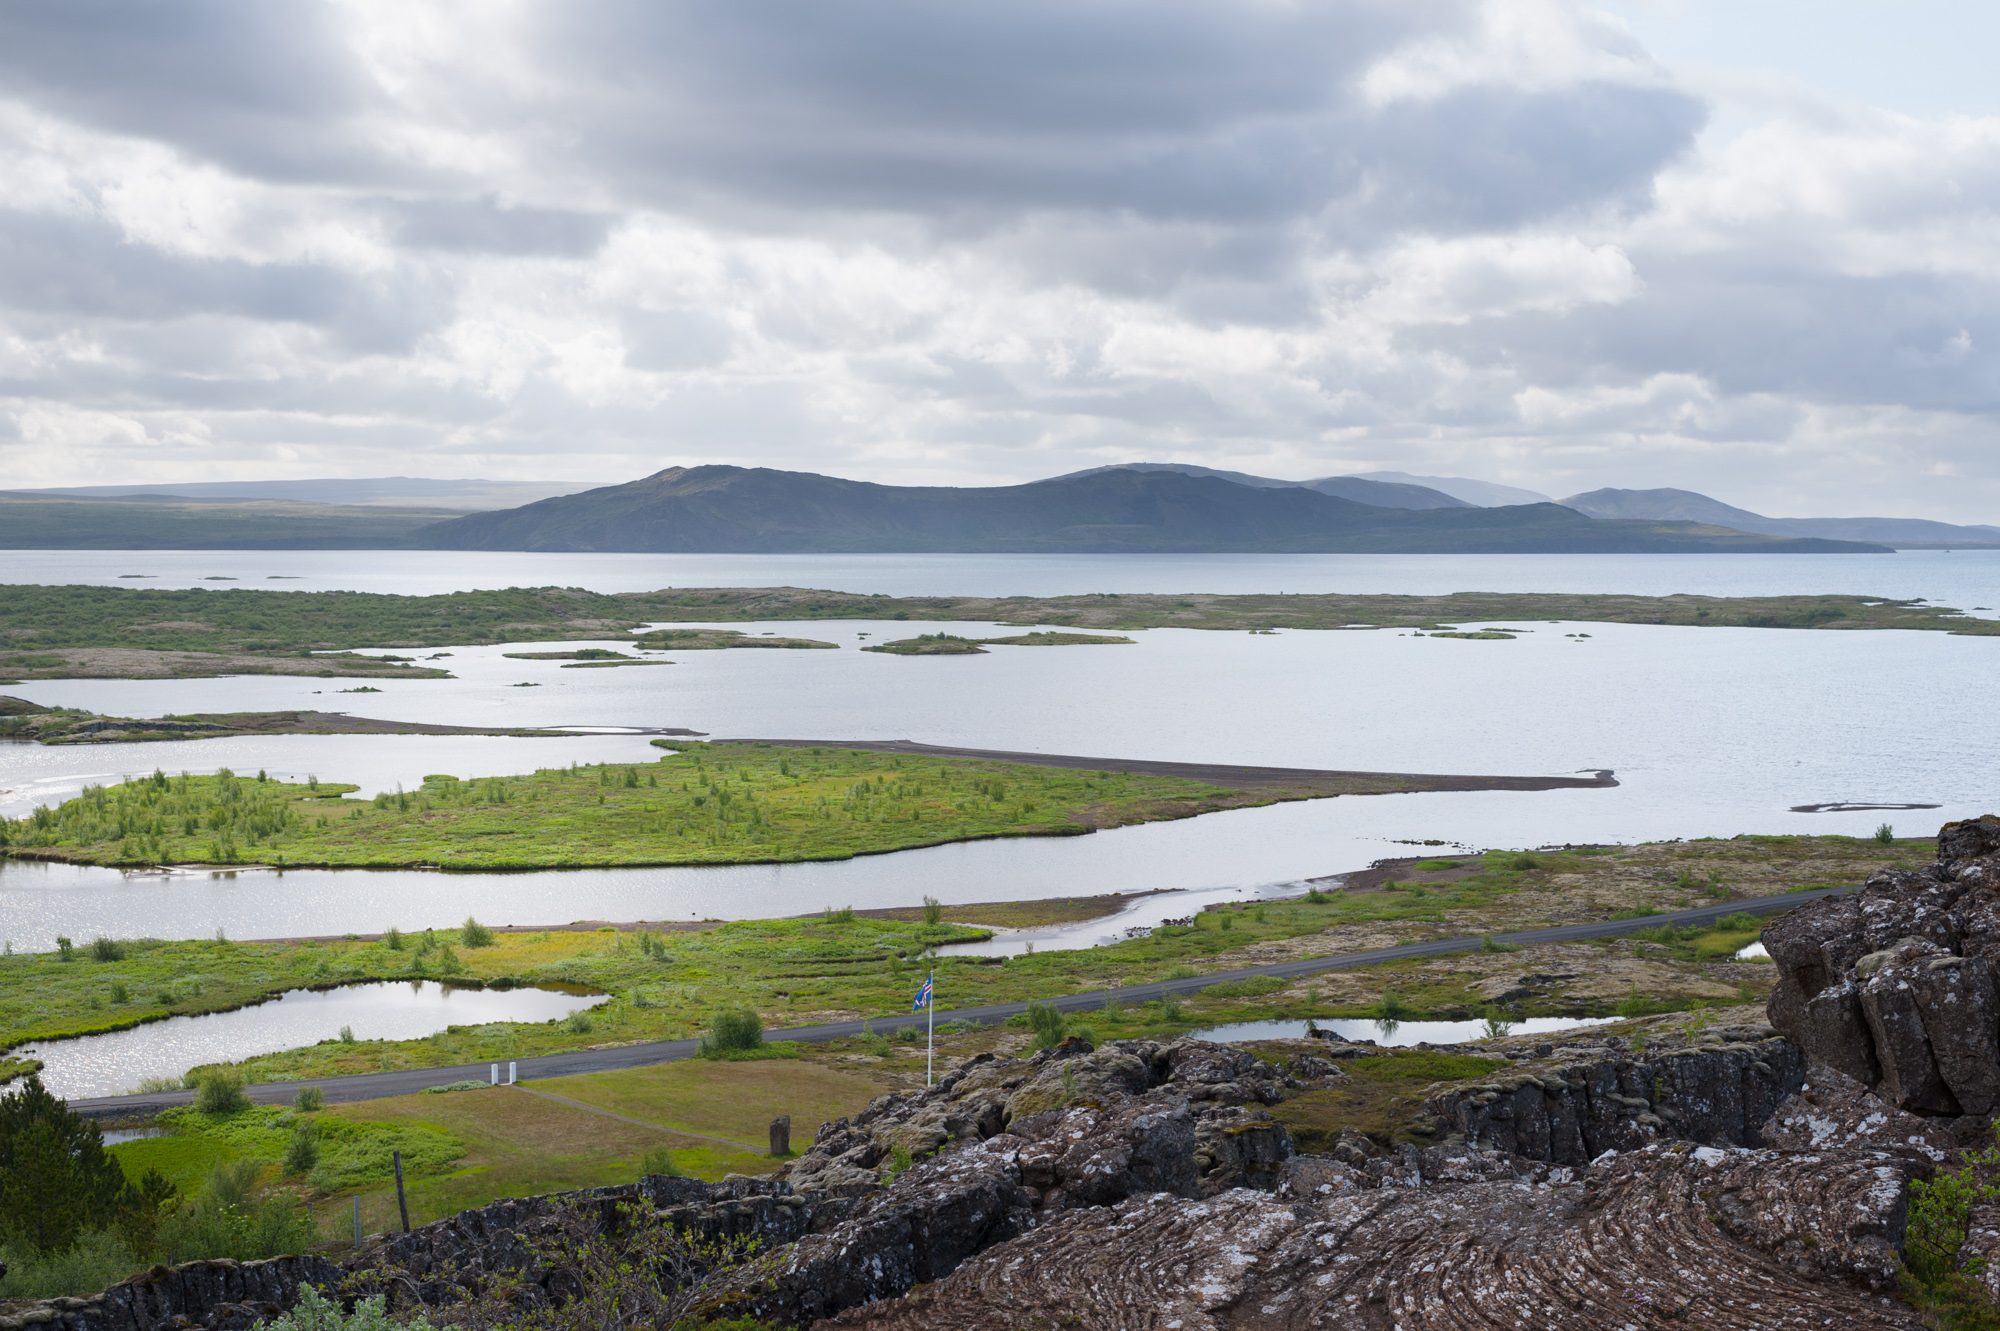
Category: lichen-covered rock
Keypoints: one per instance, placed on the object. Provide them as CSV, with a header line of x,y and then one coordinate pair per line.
x,y
1835,1112
1896,986
1661,1239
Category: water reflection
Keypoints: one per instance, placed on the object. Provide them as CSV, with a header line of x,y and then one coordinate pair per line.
x,y
1397,1034
119,1061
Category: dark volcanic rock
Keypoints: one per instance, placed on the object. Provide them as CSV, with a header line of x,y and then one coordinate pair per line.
x,y
1896,986
1670,1236
1718,1093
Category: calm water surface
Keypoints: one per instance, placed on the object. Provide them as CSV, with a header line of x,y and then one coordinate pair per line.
x,y
117,1061
1961,578
1711,731
1396,1034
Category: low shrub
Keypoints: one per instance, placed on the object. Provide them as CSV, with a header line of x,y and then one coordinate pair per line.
x,y
220,1093
733,1031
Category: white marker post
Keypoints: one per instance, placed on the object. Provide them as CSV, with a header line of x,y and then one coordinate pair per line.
x,y
496,1074
511,1066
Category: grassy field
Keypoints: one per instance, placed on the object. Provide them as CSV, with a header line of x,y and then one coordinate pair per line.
x,y
845,965
466,1148
713,804
86,632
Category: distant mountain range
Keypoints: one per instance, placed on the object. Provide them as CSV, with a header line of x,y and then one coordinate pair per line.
x,y
471,496
1687,506
1120,509
1381,494
1144,506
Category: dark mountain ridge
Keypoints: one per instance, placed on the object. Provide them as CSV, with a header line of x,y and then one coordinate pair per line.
x,y
1381,494
723,509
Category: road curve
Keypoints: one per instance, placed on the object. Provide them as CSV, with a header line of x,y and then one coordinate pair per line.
x,y
379,1085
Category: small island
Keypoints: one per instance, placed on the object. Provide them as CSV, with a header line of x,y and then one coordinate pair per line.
x,y
949,644
929,644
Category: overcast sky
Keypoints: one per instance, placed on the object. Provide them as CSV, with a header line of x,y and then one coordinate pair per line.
x,y
1742,246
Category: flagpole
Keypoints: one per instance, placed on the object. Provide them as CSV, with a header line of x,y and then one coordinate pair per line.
x,y
930,1027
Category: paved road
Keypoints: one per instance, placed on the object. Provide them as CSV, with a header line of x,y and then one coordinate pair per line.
x,y
378,1085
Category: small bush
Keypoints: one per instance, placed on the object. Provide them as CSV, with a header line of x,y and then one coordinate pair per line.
x,y
310,1099
393,940
1391,1007
1738,921
65,950
474,934
220,1093
98,1258
106,949
1885,833
732,1031
845,915
316,1312
577,1023
933,911
1048,1025
658,1160
302,1151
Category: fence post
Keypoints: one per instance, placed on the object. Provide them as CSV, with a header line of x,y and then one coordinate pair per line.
x,y
512,1068
402,1203
496,1074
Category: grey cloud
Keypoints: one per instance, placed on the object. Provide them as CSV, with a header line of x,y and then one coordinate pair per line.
x,y
1197,110
1750,326
483,225
266,89
83,267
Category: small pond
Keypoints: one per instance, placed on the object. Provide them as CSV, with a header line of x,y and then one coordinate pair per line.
x,y
118,1061
1396,1033
1752,952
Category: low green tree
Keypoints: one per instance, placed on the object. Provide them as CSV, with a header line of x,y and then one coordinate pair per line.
x,y
56,1180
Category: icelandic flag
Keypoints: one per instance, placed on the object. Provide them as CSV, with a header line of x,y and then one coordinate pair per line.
x,y
923,999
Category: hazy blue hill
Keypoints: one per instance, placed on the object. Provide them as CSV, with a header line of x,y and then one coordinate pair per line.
x,y
372,491
1690,506
736,509
155,522
1483,494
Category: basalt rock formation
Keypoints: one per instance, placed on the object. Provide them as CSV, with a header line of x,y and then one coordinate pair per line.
x,y
1147,1184
1895,987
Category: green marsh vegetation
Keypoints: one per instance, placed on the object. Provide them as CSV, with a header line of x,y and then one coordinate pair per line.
x,y
712,804
671,984
74,632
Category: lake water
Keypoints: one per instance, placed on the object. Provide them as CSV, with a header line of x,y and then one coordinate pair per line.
x,y
1396,1034
1962,578
1712,731
117,1061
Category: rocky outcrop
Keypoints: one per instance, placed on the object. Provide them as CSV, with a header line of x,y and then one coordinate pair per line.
x,y
1718,1092
217,1294
1147,1184
1668,1236
1898,987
